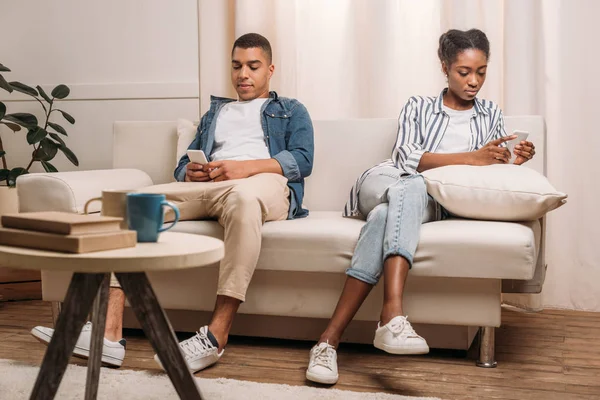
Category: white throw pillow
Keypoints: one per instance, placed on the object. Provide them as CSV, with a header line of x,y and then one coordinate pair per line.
x,y
186,132
494,192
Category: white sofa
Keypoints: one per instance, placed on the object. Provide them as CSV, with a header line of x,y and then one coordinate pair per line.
x,y
461,266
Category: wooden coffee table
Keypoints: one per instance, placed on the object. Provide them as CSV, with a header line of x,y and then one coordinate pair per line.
x,y
89,286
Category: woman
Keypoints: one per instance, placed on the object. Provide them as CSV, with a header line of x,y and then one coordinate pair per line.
x,y
454,128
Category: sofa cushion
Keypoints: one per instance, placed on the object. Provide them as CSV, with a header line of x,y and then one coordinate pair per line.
x,y
457,248
186,132
493,192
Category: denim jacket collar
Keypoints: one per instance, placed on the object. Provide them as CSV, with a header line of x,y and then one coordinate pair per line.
x,y
272,95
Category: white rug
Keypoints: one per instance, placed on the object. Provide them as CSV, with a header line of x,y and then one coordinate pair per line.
x,y
17,379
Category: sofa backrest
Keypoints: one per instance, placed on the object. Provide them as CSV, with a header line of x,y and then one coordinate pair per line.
x,y
343,150
147,145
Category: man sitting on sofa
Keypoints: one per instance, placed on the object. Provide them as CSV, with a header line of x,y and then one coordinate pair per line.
x,y
261,149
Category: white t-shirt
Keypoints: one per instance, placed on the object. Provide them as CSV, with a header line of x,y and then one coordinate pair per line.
x,y
239,134
457,138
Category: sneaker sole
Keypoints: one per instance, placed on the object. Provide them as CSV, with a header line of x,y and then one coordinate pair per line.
x,y
78,352
192,370
327,380
401,350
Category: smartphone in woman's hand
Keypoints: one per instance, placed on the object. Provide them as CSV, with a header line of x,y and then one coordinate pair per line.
x,y
510,145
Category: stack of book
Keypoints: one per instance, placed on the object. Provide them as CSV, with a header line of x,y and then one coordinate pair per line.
x,y
64,232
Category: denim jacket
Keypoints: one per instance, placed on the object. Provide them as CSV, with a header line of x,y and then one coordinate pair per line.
x,y
288,135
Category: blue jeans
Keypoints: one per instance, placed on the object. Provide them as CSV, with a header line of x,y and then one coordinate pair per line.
x,y
395,207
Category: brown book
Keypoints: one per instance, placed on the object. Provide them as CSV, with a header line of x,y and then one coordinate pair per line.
x,y
68,243
63,223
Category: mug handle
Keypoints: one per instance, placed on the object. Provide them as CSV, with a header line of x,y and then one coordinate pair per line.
x,y
175,209
90,201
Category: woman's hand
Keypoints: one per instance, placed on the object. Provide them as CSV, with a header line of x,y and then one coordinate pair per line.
x,y
524,152
492,153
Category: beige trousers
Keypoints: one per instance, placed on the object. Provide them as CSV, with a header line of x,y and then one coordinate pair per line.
x,y
241,206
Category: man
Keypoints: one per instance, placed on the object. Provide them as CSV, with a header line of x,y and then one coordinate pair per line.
x,y
261,149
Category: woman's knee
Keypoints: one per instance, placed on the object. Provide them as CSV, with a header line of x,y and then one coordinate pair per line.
x,y
414,185
378,215
411,190
417,185
372,190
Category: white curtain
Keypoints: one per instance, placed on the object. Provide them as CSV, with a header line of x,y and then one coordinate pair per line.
x,y
364,58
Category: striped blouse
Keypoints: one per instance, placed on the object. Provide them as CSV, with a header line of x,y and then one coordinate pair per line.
x,y
421,127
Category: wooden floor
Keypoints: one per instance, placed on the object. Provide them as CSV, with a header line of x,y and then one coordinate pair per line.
x,y
548,355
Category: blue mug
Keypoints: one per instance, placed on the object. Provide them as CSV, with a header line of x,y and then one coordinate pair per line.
x,y
145,215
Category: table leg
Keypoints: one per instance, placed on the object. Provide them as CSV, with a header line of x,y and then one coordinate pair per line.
x,y
97,342
156,326
80,295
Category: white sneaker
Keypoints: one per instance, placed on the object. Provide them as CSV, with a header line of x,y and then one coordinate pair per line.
x,y
322,367
399,337
199,352
113,353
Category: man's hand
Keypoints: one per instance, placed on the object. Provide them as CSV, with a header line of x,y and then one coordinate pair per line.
x,y
492,153
195,173
524,152
228,169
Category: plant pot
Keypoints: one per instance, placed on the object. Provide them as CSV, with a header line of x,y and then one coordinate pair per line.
x,y
8,200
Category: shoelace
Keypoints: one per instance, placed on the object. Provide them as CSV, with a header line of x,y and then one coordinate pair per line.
x,y
323,355
403,328
198,344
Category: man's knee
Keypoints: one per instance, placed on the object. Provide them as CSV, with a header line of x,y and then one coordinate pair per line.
x,y
242,204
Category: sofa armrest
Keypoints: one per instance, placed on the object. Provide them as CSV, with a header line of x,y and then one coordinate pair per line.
x,y
69,191
535,284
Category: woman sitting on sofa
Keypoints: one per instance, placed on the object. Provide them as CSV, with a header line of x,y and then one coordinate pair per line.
x,y
454,128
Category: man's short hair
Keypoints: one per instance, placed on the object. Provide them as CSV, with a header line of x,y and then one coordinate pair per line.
x,y
250,40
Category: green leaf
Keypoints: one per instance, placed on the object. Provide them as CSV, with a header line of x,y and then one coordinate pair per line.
x,y
26,120
49,167
14,174
4,85
58,128
21,87
2,110
67,116
61,91
69,154
13,127
36,134
47,150
57,138
43,94
3,174
4,69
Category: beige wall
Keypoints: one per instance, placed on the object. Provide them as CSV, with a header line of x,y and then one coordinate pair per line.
x,y
123,60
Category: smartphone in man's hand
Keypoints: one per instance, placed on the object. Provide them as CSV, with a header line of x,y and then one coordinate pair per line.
x,y
197,156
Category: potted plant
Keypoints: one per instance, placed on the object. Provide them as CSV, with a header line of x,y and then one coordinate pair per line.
x,y
45,137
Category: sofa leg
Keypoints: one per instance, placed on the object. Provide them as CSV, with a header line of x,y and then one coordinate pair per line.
x,y
487,351
56,307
